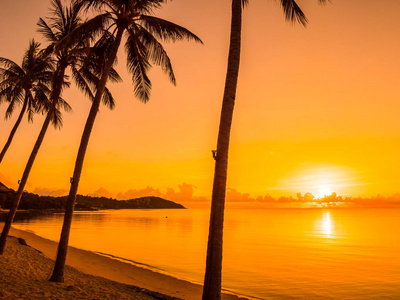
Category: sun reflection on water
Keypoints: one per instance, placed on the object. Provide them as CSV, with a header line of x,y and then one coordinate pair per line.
x,y
327,224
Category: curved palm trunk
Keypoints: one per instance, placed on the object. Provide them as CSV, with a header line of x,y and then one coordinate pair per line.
x,y
212,279
55,96
10,138
58,271
17,199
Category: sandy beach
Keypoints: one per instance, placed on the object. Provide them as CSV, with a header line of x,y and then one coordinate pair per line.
x,y
24,271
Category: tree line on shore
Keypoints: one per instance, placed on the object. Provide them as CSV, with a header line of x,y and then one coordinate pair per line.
x,y
84,203
88,50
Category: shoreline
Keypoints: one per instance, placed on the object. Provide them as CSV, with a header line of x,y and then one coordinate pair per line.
x,y
118,269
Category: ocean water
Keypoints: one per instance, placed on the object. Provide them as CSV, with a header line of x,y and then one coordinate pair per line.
x,y
268,253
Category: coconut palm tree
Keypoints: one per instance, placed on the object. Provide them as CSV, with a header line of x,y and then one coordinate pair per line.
x,y
144,34
212,278
26,84
63,22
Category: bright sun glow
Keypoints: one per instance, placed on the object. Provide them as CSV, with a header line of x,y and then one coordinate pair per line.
x,y
319,180
323,190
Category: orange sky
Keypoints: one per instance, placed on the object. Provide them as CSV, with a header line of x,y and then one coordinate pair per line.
x,y
317,109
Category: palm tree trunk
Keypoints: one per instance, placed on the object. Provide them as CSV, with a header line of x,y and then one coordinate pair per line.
x,y
58,271
17,199
213,274
10,138
57,86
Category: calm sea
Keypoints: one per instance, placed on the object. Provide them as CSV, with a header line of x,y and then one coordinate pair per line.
x,y
268,253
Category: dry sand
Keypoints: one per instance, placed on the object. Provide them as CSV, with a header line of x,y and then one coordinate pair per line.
x,y
24,271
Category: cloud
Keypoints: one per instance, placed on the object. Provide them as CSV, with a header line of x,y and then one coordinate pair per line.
x,y
101,192
233,195
132,194
41,191
185,194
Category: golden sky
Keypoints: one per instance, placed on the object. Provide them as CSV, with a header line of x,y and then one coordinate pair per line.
x,y
317,109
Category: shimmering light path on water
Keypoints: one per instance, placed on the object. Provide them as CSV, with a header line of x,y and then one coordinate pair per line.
x,y
268,254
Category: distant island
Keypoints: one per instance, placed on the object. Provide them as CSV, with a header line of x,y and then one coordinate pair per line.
x,y
84,203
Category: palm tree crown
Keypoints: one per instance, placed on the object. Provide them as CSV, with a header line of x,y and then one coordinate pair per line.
x,y
73,50
27,84
144,34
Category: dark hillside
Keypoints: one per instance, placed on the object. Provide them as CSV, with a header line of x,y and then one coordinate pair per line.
x,y
33,201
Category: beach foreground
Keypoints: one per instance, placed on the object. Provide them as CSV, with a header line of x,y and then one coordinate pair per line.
x,y
24,271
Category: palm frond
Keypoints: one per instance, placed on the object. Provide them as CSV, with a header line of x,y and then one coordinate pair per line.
x,y
113,76
146,6
10,108
81,83
10,65
94,4
59,19
87,77
56,119
108,99
5,93
32,104
46,31
156,52
42,101
293,12
167,31
85,32
99,53
138,66
64,105
30,56
14,95
38,91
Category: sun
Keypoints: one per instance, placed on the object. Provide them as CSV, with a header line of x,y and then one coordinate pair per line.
x,y
323,190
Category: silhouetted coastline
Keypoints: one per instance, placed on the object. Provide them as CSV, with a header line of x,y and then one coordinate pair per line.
x,y
32,201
